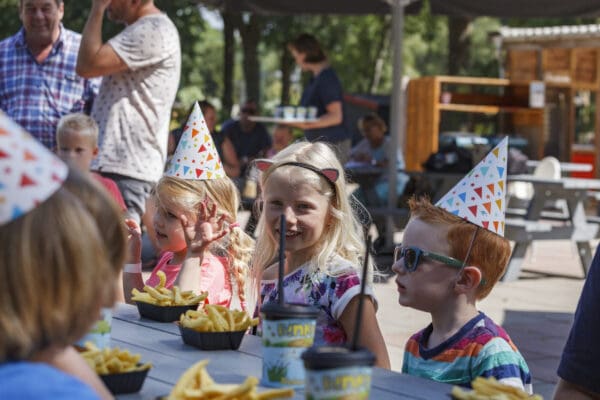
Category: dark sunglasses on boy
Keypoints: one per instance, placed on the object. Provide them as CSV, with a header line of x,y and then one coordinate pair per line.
x,y
412,257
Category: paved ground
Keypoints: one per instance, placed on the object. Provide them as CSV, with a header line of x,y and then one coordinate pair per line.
x,y
537,311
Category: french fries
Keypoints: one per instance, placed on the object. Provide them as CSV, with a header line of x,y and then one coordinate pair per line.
x,y
216,318
196,383
161,296
112,361
491,389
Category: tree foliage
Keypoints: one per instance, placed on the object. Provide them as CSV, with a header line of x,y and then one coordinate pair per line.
x,y
358,48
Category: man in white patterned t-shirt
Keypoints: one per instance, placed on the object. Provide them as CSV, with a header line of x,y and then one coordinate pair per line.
x,y
141,69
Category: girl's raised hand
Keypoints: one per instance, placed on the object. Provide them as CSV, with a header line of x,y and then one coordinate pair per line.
x,y
134,242
207,229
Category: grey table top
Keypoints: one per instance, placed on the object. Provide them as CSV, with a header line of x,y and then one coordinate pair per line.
x,y
161,344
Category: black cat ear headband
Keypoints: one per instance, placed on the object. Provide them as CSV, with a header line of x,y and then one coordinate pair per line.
x,y
330,174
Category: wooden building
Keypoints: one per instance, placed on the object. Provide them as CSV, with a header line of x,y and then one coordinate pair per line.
x,y
548,95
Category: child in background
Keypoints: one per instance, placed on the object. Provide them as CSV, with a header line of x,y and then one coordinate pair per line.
x,y
53,257
376,150
282,138
452,255
77,142
324,245
195,222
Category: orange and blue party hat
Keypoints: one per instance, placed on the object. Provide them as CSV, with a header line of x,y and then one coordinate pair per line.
x,y
196,156
480,196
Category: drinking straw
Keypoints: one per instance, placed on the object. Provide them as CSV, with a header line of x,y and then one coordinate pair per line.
x,y
361,298
281,258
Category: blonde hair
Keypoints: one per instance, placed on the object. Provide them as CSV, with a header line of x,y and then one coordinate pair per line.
x,y
343,236
188,194
54,276
79,123
490,252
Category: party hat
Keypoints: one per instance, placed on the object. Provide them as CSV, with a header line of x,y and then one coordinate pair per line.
x,y
480,196
196,156
29,173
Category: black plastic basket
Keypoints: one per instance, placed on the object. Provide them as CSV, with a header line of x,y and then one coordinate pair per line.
x,y
212,340
126,382
163,313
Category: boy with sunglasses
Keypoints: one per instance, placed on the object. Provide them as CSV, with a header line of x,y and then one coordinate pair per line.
x,y
451,256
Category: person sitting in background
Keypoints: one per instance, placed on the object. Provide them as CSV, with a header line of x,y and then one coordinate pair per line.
x,y
282,138
376,150
250,139
77,145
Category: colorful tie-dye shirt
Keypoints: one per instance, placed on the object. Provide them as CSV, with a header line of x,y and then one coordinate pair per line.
x,y
329,291
480,348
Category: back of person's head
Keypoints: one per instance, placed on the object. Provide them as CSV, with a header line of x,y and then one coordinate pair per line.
x,y
105,211
343,234
55,275
371,120
78,123
490,252
308,45
188,194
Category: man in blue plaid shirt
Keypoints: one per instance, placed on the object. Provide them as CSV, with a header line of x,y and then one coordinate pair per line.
x,y
38,83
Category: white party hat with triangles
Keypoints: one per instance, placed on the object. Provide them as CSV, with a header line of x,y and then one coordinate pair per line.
x,y
480,196
196,156
29,172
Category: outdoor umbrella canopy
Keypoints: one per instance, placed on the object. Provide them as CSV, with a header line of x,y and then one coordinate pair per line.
x,y
464,8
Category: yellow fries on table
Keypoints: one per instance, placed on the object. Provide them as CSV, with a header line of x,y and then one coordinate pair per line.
x,y
491,389
196,383
161,296
216,318
112,361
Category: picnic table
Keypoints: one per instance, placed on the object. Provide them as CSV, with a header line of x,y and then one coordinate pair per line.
x,y
566,168
161,344
535,223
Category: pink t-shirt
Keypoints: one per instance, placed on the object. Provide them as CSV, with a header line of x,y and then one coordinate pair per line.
x,y
214,276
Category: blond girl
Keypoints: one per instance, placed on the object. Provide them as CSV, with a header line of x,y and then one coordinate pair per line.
x,y
324,245
203,248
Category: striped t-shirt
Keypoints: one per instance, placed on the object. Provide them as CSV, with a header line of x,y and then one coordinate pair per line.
x,y
480,348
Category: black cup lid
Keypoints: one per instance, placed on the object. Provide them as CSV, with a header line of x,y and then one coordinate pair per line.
x,y
328,357
274,310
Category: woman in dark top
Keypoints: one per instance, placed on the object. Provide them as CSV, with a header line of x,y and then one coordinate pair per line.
x,y
323,91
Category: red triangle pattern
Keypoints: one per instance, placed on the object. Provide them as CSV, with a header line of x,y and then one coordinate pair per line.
x,y
479,191
3,154
485,224
199,172
202,149
473,210
26,181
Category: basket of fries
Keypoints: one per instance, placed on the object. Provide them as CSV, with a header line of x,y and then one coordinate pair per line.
x,y
165,305
196,383
491,389
121,371
215,327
